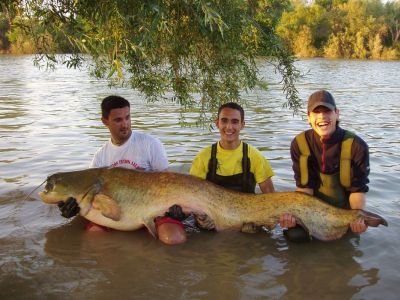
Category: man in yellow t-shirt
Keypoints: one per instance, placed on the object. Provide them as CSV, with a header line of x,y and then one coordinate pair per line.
x,y
230,162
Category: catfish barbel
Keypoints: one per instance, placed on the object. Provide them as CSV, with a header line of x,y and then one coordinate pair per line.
x,y
125,199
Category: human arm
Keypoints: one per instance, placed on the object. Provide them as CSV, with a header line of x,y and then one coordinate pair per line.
x,y
267,186
305,190
158,155
97,160
359,182
262,170
357,201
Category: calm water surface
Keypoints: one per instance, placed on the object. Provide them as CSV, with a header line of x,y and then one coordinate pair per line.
x,y
50,122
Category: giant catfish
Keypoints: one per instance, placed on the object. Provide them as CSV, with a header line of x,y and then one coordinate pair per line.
x,y
126,199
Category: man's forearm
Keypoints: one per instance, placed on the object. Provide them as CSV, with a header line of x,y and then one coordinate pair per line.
x,y
267,186
357,200
305,190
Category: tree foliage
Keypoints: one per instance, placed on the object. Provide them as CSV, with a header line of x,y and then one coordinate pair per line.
x,y
203,53
392,19
358,29
5,23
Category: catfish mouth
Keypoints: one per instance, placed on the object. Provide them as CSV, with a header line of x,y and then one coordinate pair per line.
x,y
48,195
46,198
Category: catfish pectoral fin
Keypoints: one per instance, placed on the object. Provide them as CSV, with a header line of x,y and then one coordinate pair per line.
x,y
151,227
86,203
372,219
108,207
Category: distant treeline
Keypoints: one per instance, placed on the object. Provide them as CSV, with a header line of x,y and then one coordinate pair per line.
x,y
360,29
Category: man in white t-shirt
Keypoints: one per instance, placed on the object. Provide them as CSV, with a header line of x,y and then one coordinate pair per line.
x,y
132,150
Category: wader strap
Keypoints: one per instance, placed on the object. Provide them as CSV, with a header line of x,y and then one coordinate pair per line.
x,y
213,161
345,159
304,155
245,166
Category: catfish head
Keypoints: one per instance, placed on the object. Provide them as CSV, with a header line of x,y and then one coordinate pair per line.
x,y
61,186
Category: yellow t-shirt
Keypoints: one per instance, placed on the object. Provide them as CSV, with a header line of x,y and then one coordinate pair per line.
x,y
230,163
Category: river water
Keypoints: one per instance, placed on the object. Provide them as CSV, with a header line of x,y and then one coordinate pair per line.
x,y
50,122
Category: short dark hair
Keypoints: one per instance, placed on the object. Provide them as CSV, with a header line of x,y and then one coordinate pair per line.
x,y
232,105
112,102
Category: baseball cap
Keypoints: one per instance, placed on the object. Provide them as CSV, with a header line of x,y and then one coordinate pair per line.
x,y
321,98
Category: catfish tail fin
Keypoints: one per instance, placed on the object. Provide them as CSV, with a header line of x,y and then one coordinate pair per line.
x,y
372,219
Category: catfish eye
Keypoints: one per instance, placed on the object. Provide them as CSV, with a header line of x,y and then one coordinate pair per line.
x,y
49,184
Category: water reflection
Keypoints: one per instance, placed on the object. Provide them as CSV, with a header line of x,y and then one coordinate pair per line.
x,y
263,270
334,271
170,270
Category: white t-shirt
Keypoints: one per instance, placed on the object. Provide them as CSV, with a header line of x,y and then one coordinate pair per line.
x,y
141,151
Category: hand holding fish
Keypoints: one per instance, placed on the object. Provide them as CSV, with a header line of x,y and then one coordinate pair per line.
x,y
287,221
358,226
69,208
175,212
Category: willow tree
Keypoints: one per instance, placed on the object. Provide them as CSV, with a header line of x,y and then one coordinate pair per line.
x,y
195,52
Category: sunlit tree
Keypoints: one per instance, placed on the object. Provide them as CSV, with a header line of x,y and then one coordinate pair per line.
x,y
342,28
305,28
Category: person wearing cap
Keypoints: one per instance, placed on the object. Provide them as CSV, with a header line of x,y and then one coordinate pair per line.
x,y
328,162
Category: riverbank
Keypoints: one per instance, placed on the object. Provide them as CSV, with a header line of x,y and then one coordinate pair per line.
x,y
391,55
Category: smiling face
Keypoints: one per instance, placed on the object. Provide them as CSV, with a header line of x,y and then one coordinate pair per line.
x,y
323,121
119,124
230,124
